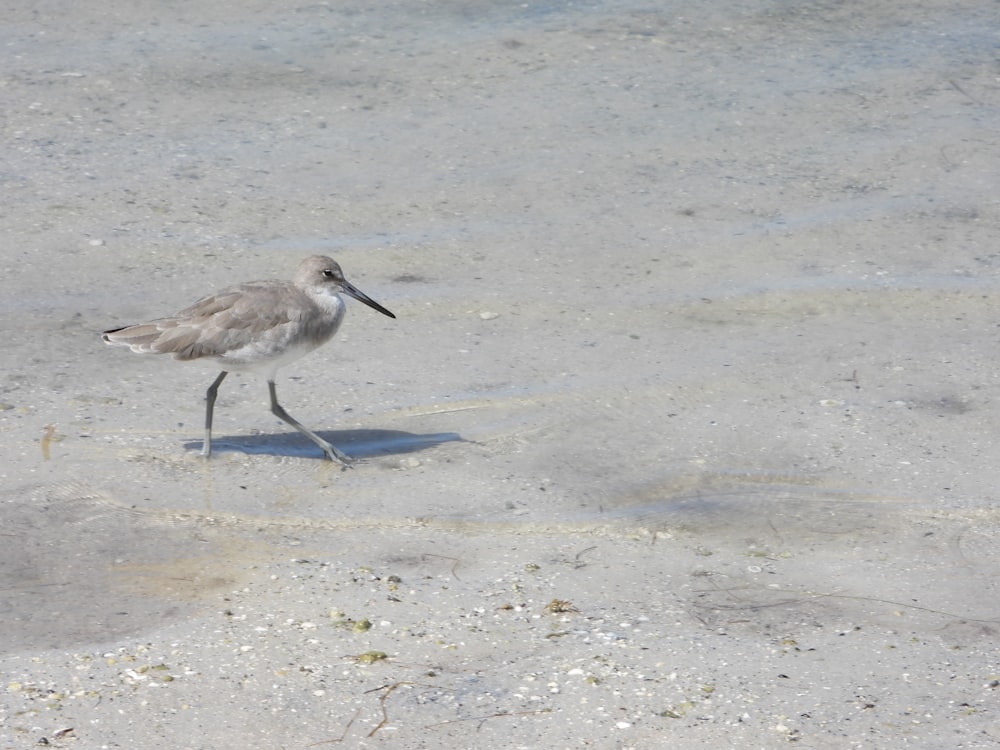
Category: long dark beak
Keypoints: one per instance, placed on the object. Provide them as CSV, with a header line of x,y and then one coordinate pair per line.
x,y
362,297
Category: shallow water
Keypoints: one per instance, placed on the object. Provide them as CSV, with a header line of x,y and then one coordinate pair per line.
x,y
718,279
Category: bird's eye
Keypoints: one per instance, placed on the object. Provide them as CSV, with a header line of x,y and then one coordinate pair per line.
x,y
328,273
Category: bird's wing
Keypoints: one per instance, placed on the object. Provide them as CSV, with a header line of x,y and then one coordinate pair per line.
x,y
216,325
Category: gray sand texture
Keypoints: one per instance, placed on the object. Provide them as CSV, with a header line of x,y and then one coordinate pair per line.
x,y
684,435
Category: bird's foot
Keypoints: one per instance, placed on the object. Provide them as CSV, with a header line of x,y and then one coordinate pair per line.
x,y
338,457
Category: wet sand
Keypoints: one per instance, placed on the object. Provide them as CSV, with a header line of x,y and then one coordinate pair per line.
x,y
684,433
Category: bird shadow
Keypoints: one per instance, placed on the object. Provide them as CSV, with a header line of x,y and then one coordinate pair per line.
x,y
358,444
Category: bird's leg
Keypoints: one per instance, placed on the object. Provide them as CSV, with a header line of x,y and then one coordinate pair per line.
x,y
329,451
213,391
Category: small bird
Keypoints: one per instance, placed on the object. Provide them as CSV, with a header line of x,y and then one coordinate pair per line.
x,y
258,326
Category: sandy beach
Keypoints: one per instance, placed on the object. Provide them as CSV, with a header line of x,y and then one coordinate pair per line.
x,y
684,434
